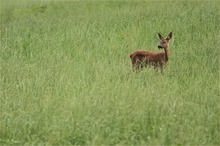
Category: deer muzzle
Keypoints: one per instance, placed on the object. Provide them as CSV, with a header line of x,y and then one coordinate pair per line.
x,y
160,47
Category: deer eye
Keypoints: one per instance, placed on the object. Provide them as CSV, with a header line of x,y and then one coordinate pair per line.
x,y
163,42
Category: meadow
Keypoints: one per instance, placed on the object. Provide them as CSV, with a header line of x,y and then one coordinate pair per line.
x,y
66,77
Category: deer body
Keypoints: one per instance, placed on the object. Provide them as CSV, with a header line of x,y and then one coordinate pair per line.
x,y
140,58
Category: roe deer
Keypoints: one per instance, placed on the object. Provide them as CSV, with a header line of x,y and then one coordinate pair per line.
x,y
140,58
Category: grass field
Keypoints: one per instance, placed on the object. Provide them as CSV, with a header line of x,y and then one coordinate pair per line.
x,y
66,77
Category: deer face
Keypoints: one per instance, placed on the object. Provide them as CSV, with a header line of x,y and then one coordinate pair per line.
x,y
164,42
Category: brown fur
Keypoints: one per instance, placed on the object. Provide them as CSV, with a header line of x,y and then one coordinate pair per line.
x,y
140,58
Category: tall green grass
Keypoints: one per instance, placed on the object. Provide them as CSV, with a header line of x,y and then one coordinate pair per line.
x,y
65,73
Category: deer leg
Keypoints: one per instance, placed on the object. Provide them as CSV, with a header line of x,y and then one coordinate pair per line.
x,y
161,69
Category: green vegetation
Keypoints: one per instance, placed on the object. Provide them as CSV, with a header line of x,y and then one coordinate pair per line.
x,y
66,78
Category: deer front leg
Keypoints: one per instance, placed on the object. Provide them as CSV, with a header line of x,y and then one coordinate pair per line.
x,y
161,69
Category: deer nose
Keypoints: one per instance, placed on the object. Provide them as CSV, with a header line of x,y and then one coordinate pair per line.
x,y
160,47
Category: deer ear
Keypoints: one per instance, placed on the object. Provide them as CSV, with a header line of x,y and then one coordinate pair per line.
x,y
160,36
169,36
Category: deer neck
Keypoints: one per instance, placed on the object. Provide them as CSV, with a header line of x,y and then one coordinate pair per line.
x,y
167,53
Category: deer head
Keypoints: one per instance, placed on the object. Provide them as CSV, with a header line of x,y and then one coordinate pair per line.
x,y
164,43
